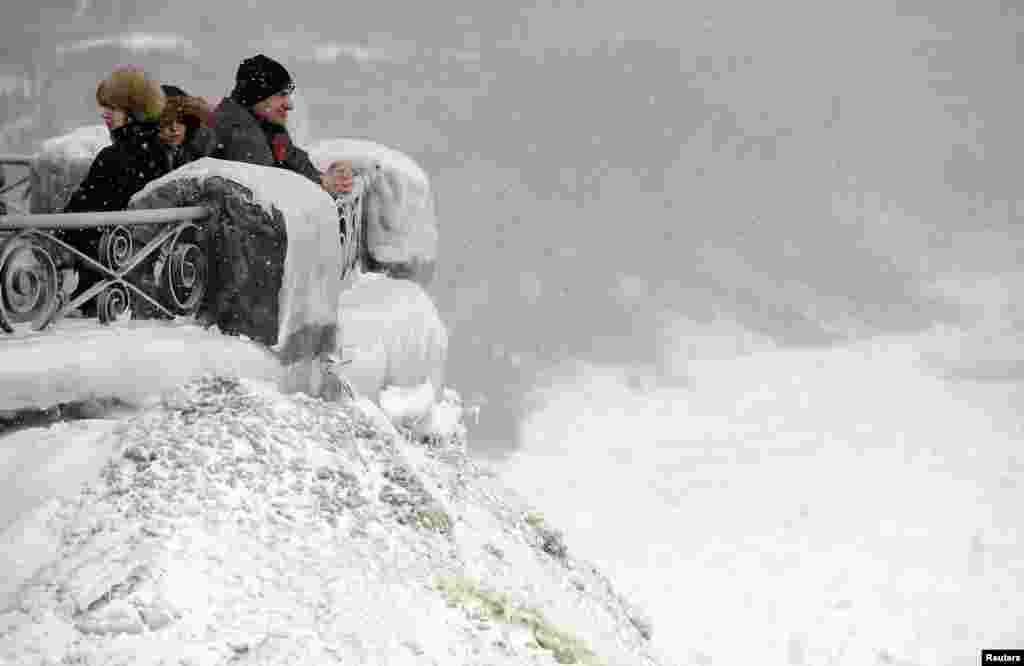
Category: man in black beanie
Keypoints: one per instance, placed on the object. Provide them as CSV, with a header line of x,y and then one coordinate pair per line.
x,y
251,125
172,91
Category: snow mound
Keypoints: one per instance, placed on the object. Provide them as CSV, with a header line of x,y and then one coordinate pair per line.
x,y
61,164
238,525
392,335
399,211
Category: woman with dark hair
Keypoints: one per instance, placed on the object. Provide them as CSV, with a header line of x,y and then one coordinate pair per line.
x,y
184,128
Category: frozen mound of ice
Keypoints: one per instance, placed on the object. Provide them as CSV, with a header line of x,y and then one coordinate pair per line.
x,y
61,164
391,334
276,252
401,222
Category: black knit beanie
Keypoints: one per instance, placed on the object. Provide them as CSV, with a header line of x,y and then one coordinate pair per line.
x,y
258,78
173,91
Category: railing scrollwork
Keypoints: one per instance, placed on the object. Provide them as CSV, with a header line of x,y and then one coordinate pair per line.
x,y
29,289
32,284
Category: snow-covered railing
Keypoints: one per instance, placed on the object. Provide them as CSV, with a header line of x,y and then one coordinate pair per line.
x,y
38,268
351,228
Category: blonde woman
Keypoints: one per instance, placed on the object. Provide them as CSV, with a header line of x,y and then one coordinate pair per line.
x,y
130,103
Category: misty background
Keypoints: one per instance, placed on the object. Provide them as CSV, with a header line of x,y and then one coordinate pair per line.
x,y
765,247
602,169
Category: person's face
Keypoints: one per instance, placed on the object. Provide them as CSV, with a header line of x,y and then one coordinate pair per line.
x,y
173,134
275,108
113,118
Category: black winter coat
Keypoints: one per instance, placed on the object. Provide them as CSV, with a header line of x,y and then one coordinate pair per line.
x,y
241,137
118,171
121,169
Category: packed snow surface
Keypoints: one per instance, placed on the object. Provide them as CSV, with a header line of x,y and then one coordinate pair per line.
x,y
238,525
79,359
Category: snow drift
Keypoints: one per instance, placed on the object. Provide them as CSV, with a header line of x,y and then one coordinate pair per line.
x,y
398,211
238,525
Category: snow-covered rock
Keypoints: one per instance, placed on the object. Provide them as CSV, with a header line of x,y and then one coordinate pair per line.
x,y
424,414
235,524
61,164
275,269
446,418
399,211
407,405
391,335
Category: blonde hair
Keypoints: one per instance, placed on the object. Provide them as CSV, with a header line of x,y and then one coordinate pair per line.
x,y
132,90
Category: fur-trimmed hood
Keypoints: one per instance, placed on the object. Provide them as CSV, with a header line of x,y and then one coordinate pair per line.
x,y
192,112
131,89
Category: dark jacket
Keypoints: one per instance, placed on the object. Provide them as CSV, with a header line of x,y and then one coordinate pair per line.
x,y
118,171
121,169
242,137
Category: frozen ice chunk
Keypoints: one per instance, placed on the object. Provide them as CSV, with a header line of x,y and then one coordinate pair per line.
x,y
392,335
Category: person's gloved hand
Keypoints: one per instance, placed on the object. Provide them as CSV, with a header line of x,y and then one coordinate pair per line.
x,y
338,178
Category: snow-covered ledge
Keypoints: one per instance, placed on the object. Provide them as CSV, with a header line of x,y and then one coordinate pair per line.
x,y
239,525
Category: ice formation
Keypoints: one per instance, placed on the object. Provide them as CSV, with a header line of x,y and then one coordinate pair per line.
x,y
391,335
401,223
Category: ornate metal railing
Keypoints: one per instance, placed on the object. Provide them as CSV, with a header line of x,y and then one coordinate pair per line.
x,y
36,286
39,269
